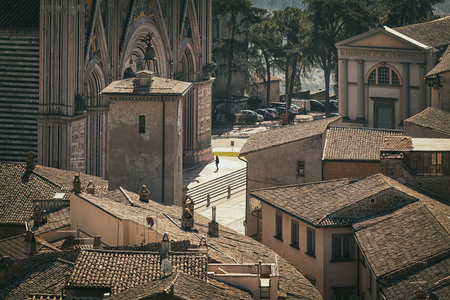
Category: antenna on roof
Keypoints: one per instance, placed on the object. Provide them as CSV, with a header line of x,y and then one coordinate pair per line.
x,y
167,267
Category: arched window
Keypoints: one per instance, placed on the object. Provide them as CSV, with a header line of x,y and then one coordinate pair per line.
x,y
384,75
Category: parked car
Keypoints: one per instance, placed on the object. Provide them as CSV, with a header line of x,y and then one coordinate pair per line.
x,y
316,105
281,110
296,109
277,104
263,113
333,104
251,112
273,112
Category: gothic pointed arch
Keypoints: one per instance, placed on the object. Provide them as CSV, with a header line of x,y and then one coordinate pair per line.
x,y
189,26
188,60
135,46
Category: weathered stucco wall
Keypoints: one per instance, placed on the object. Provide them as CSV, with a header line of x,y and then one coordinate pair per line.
x,y
349,169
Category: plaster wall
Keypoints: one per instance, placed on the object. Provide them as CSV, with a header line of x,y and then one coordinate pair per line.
x,y
279,166
327,274
136,158
348,169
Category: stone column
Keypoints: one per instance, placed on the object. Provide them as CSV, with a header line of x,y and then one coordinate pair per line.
x,y
406,94
343,88
360,92
422,89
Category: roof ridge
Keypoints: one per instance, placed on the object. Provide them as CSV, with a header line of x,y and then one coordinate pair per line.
x,y
300,184
366,128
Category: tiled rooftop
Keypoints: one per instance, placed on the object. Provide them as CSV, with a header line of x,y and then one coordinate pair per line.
x,y
432,118
349,143
17,248
121,270
19,187
402,238
160,86
229,247
397,143
15,14
285,135
184,287
434,278
433,33
55,220
46,279
443,65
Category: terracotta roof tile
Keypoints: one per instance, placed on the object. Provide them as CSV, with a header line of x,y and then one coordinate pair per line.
x,y
229,247
19,187
432,118
121,270
434,278
402,238
284,135
349,143
184,287
443,64
46,279
18,248
434,33
160,86
55,220
397,143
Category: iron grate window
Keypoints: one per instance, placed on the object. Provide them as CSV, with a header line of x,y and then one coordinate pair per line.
x,y
141,124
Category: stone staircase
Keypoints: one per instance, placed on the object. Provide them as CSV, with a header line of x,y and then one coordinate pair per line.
x,y
218,188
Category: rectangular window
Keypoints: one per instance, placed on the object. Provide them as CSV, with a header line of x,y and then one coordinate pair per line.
x,y
294,233
301,169
278,225
141,124
215,29
343,247
311,242
383,75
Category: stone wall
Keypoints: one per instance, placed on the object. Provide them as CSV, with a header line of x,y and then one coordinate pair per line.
x,y
349,169
437,185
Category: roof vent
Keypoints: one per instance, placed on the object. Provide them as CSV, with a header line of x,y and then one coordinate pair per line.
x,y
76,184
166,267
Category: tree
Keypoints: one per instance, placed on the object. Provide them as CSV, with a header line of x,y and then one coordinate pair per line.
x,y
335,20
295,29
266,39
405,12
240,14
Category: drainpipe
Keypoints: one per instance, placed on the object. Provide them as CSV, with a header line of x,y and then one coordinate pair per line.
x,y
246,194
163,147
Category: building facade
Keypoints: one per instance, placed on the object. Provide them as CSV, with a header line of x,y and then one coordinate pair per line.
x,y
73,49
382,73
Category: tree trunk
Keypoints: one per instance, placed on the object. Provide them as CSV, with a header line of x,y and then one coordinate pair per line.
x,y
266,57
291,84
230,62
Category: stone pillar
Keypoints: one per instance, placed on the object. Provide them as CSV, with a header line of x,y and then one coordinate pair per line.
x,y
360,92
422,89
406,94
343,88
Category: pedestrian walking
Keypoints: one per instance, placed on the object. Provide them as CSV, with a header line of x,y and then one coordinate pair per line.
x,y
217,163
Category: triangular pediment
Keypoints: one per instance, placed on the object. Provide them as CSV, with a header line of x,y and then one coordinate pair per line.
x,y
381,38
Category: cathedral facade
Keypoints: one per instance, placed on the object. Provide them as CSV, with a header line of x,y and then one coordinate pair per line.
x,y
58,61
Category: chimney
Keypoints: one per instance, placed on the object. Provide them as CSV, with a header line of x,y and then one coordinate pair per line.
x,y
97,241
31,161
77,184
213,226
165,246
90,188
30,242
187,217
37,215
143,81
144,195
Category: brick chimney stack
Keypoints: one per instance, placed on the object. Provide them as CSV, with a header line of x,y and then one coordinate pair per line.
x,y
166,245
97,241
144,195
143,82
213,226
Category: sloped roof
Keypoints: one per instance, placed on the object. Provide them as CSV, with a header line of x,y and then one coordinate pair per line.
x,y
434,278
18,248
350,143
434,33
432,118
285,135
121,270
229,247
16,14
402,238
55,220
19,187
46,279
443,64
184,287
397,143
